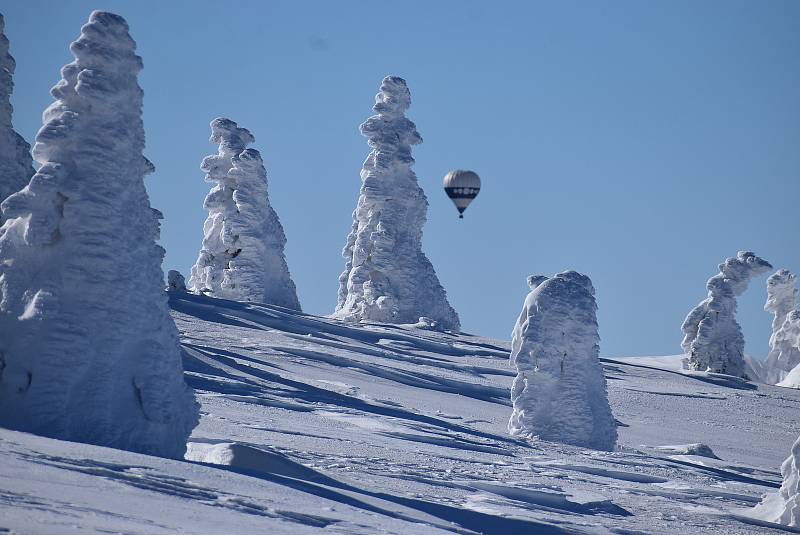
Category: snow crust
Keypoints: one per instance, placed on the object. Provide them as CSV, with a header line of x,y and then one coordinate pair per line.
x,y
387,277
88,350
783,507
16,164
242,256
559,393
712,337
784,343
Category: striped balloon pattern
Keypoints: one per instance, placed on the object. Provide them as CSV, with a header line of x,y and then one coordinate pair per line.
x,y
462,187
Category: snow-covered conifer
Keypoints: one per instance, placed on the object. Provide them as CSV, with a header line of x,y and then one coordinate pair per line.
x,y
16,166
175,281
559,393
387,277
783,507
88,349
242,257
784,350
712,338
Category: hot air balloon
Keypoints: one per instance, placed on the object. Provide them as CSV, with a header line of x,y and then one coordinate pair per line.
x,y
462,186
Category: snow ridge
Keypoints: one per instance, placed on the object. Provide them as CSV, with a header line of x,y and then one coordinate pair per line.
x,y
712,337
559,393
88,350
387,277
242,256
16,164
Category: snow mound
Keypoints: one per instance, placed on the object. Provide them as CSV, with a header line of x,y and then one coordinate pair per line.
x,y
559,393
242,256
387,278
712,337
698,449
16,165
88,350
784,344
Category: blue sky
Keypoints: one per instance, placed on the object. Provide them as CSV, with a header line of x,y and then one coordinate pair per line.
x,y
638,142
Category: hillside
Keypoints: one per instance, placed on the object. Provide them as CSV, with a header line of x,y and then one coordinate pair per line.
x,y
309,423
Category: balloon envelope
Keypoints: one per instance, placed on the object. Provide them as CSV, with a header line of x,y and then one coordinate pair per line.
x,y
462,186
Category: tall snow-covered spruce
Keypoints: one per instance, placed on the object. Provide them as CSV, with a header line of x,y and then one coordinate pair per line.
x,y
712,338
784,344
387,277
559,393
88,350
16,166
242,257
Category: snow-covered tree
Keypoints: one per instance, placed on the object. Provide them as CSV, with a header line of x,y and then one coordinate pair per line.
x,y
783,507
559,393
16,166
784,344
712,338
88,349
175,281
242,257
387,277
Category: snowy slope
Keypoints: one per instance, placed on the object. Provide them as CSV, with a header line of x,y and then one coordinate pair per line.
x,y
309,423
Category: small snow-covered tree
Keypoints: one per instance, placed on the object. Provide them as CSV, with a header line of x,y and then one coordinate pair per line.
x,y
88,349
242,257
559,393
712,338
16,166
784,350
387,277
783,507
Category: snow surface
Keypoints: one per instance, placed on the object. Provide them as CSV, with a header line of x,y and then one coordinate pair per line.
x,y
712,337
310,423
88,350
242,256
387,277
16,164
783,507
559,393
784,344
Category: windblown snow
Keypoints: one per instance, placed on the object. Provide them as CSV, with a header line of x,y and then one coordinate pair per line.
x,y
16,164
88,350
309,423
242,256
712,337
387,278
559,393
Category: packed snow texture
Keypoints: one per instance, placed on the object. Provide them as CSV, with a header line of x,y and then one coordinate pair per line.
x,y
712,337
16,166
783,507
387,277
242,257
784,344
559,393
88,350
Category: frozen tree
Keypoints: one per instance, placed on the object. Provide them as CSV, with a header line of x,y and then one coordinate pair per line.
x,y
712,338
387,277
784,349
88,349
175,281
559,393
783,507
16,166
243,241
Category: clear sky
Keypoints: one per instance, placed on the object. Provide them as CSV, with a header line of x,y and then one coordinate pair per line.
x,y
638,142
